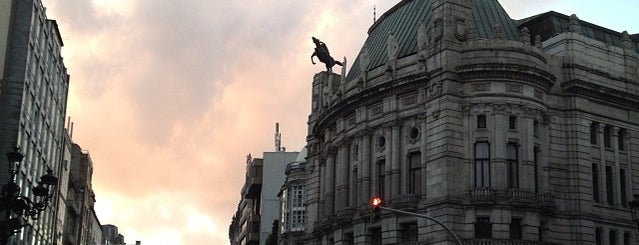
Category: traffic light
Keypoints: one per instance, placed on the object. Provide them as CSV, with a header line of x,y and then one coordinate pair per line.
x,y
375,215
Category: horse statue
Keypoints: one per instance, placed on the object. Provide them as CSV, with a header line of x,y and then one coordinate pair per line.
x,y
321,51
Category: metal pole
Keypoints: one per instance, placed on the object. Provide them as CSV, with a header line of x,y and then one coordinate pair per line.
x,y
426,217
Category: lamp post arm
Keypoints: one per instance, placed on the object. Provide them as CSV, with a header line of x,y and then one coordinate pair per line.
x,y
425,217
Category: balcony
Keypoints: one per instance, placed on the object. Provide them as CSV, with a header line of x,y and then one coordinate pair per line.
x,y
520,197
253,185
547,201
406,202
502,242
345,216
482,196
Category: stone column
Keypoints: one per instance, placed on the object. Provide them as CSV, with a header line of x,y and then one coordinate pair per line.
x,y
366,168
423,180
498,149
617,171
322,187
603,197
329,197
341,176
387,165
395,153
527,172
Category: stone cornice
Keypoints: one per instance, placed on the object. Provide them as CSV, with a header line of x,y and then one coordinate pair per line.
x,y
491,71
604,94
370,95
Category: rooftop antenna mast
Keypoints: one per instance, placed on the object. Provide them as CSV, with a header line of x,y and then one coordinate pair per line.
x,y
374,13
278,138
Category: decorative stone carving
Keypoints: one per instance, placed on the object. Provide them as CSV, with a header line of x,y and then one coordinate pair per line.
x,y
460,29
538,41
409,100
413,134
480,87
422,37
514,88
625,40
472,32
392,46
435,89
575,25
376,110
380,143
438,29
364,59
525,35
498,32
466,108
436,114
539,94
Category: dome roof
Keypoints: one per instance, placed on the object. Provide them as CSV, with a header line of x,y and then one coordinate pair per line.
x,y
404,19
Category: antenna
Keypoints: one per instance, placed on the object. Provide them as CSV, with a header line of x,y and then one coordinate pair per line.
x,y
278,138
374,13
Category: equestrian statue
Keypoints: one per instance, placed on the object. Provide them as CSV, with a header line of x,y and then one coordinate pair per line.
x,y
321,51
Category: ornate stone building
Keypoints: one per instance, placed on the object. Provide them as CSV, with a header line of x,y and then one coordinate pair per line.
x,y
508,131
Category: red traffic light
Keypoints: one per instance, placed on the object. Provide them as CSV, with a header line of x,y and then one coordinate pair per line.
x,y
376,201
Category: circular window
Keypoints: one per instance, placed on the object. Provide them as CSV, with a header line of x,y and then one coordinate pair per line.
x,y
414,133
381,142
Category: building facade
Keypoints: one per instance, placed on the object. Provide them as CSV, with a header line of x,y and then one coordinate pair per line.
x,y
82,225
111,235
292,210
33,99
259,206
508,131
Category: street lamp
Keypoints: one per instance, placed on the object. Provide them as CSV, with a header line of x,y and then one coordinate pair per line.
x,y
16,207
634,209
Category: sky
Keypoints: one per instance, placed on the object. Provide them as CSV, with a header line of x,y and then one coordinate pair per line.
x,y
169,96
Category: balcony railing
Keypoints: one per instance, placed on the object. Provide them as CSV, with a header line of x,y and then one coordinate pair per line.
x,y
502,242
520,197
407,201
345,216
482,196
547,201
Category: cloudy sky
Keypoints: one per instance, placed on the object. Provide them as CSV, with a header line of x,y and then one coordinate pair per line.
x,y
169,96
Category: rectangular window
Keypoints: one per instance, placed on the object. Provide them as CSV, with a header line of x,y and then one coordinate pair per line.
x,y
409,232
608,136
612,239
482,164
594,129
515,229
483,228
349,239
610,197
623,191
354,188
512,165
621,140
626,238
481,121
595,182
598,238
512,122
381,177
376,236
535,128
414,164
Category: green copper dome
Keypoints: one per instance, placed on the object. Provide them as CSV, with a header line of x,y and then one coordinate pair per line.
x,y
403,21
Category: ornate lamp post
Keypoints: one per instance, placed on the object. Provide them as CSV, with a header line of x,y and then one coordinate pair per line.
x,y
18,208
634,209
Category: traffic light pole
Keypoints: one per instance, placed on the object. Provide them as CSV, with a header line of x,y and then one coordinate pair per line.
x,y
425,217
